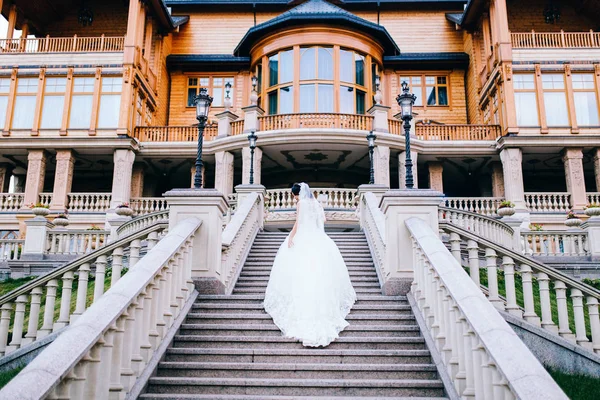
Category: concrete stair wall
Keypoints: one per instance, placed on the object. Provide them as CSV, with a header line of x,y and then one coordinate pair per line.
x,y
229,348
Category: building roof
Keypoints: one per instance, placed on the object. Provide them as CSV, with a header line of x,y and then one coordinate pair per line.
x,y
317,11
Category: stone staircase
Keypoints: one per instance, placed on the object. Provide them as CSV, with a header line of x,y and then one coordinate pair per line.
x,y
229,348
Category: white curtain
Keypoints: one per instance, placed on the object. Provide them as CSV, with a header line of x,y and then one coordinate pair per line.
x,y
307,63
556,109
23,113
586,108
108,116
346,100
52,111
307,98
526,104
3,105
81,111
325,98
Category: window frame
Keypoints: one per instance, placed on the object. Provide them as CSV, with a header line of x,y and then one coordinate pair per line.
x,y
593,90
564,91
25,94
423,86
526,90
75,93
210,87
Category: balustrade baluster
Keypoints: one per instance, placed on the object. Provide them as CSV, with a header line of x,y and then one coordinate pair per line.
x,y
65,301
508,265
544,285
592,304
563,311
492,275
527,278
17,335
92,370
134,252
455,246
473,249
126,375
82,286
105,357
117,265
34,316
99,277
580,330
7,309
469,392
153,333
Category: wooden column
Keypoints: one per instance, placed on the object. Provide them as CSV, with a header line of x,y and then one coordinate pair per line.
x,y
539,91
148,40
570,99
37,116
95,102
67,104
12,21
11,102
502,39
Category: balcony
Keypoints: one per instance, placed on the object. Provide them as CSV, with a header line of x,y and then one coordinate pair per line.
x,y
175,133
449,132
555,46
315,120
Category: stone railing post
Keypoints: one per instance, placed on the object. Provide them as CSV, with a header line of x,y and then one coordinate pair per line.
x,y
380,118
516,225
208,205
114,222
36,238
244,190
251,114
224,125
377,190
398,206
592,227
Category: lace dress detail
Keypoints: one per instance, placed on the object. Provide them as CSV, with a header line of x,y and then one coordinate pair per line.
x,y
309,293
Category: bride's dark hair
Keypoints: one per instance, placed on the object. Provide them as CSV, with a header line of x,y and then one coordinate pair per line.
x,y
296,189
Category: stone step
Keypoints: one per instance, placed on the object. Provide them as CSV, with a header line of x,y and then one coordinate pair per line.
x,y
375,299
304,355
280,342
263,284
266,273
232,307
252,290
351,265
176,396
297,371
262,318
271,329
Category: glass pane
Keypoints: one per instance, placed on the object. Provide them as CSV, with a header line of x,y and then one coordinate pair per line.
x,y
583,81
524,81
359,62
346,100
190,97
108,116
586,108
307,63
23,113
307,98
217,97
56,85
273,103
27,85
83,85
430,80
111,85
273,70
81,111
373,74
259,77
526,104
326,63
3,105
52,112
286,100
441,80
553,81
193,82
346,68
204,82
443,95
360,102
325,98
4,85
218,82
430,93
287,66
556,109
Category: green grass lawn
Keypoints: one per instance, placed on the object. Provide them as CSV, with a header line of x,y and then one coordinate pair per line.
x,y
5,377
10,284
577,387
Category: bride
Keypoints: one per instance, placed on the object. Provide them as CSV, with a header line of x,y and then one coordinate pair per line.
x,y
309,293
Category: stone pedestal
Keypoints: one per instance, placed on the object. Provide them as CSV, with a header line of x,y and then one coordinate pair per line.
x,y
251,114
592,227
512,169
402,169
137,180
209,205
597,168
63,180
398,206
113,223
380,117
224,172
436,176
224,125
246,165
497,180
517,226
573,161
36,172
377,190
121,187
36,238
381,163
244,190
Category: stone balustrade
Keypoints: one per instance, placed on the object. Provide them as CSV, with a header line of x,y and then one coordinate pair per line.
x,y
75,241
141,222
147,205
555,243
484,226
10,249
106,349
483,356
339,199
593,197
512,266
548,202
45,199
11,202
373,223
89,202
85,273
479,205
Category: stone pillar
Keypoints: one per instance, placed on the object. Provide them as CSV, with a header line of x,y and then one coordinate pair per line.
x,y
137,180
63,179
436,175
512,168
497,180
597,168
251,114
380,117
36,238
121,186
5,171
573,161
381,162
209,205
36,173
592,227
244,190
398,206
402,169
225,119
224,172
246,165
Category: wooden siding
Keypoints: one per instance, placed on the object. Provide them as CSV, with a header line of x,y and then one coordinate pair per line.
x,y
523,16
110,19
161,114
472,78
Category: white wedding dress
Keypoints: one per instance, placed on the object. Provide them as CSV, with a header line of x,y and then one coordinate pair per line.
x,y
309,293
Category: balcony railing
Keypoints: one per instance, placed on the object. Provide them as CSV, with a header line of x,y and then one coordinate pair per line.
x,y
337,199
555,40
11,201
89,202
479,205
593,197
147,205
173,133
73,44
237,127
316,120
548,202
458,132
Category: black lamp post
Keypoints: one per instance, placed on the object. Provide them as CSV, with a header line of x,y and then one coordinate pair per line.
x,y
371,139
252,139
203,102
406,101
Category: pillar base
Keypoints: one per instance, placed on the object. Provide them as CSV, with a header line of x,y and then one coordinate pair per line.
x,y
208,286
396,286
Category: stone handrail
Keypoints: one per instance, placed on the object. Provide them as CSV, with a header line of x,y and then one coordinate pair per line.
x,y
548,202
484,226
141,222
372,221
29,296
593,197
484,357
315,120
174,133
11,201
75,242
555,243
335,199
89,202
238,236
546,277
146,205
63,44
555,40
107,348
479,205
10,249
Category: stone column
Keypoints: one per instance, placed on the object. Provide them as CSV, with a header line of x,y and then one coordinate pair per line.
x,y
36,238
225,119
224,172
573,161
251,114
137,180
381,162
380,118
497,180
5,171
597,168
402,169
592,227
436,175
63,179
121,186
36,173
398,206
512,168
246,166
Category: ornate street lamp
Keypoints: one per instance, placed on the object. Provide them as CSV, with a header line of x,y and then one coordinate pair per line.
x,y
371,140
203,102
252,140
406,101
